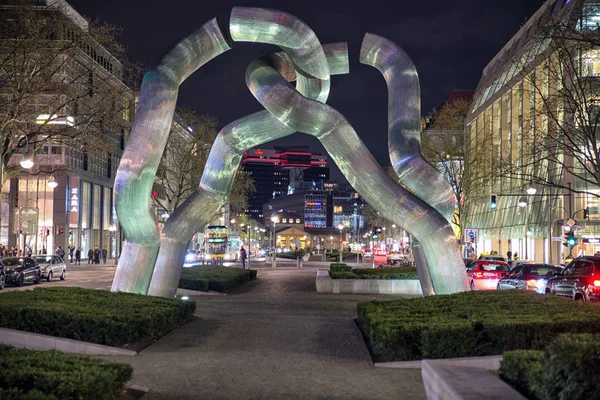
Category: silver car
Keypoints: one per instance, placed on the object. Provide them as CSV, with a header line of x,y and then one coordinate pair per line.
x,y
52,266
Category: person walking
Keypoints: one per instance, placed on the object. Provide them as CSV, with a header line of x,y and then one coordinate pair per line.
x,y
60,252
71,250
243,256
97,255
90,255
78,256
104,254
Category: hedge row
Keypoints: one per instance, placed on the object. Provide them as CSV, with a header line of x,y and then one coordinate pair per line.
x,y
41,375
95,316
471,323
567,369
218,279
342,271
386,273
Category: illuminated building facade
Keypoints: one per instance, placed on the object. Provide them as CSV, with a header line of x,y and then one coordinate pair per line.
x,y
532,74
277,172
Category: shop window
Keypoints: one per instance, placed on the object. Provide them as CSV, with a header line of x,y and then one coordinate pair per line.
x,y
590,16
590,63
297,220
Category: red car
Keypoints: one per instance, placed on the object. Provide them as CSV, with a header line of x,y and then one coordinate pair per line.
x,y
485,274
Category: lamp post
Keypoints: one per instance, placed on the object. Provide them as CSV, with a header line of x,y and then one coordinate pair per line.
x,y
249,244
331,243
275,220
340,227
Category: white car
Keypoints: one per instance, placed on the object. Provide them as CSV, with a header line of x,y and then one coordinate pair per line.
x,y
192,256
52,266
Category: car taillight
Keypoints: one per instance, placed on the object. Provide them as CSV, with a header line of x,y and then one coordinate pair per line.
x,y
532,283
478,274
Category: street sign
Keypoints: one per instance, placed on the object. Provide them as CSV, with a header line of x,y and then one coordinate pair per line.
x,y
571,222
471,235
557,239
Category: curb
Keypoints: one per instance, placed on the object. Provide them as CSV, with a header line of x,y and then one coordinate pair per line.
x,y
36,341
449,381
485,362
189,292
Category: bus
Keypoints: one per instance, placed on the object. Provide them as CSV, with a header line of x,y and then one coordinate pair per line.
x,y
216,241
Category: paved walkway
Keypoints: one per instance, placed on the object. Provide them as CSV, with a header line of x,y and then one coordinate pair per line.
x,y
273,338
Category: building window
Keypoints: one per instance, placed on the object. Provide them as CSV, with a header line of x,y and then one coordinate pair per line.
x,y
284,220
590,63
297,220
590,16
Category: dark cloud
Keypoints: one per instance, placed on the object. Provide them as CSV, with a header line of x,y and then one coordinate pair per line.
x,y
449,41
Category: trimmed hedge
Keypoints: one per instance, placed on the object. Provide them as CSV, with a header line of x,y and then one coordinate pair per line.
x,y
471,323
95,316
339,267
218,279
568,369
379,273
29,374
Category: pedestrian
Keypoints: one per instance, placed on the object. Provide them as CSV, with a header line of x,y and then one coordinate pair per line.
x,y
71,250
243,256
97,255
516,256
78,256
104,254
60,252
508,255
90,256
44,251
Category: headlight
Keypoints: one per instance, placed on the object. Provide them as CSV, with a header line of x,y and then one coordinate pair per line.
x,y
188,257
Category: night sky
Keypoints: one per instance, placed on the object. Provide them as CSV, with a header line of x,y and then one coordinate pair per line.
x,y
450,42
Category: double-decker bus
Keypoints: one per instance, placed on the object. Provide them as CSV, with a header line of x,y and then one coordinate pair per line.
x,y
216,241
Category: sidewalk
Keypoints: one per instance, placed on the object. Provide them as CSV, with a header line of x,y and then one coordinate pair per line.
x,y
273,338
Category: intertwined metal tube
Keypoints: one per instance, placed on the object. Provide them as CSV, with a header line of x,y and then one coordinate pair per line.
x,y
150,255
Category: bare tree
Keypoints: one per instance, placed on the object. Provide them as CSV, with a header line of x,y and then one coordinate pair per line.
x,y
559,91
183,161
446,146
59,83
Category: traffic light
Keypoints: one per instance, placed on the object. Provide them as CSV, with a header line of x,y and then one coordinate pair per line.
x,y
60,230
570,240
374,233
493,203
70,235
586,213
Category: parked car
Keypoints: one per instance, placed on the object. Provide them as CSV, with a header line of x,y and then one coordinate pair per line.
x,y
192,255
2,275
492,258
19,270
580,280
52,266
529,276
485,274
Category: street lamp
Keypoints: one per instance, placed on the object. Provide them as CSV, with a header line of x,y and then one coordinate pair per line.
x,y
340,227
522,202
530,189
52,184
274,220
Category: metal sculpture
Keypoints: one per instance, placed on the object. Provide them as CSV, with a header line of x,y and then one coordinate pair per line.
x,y
404,134
288,110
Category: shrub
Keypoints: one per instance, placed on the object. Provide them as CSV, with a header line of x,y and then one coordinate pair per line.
x,y
28,374
471,323
522,370
568,369
218,279
571,367
96,316
339,267
341,271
